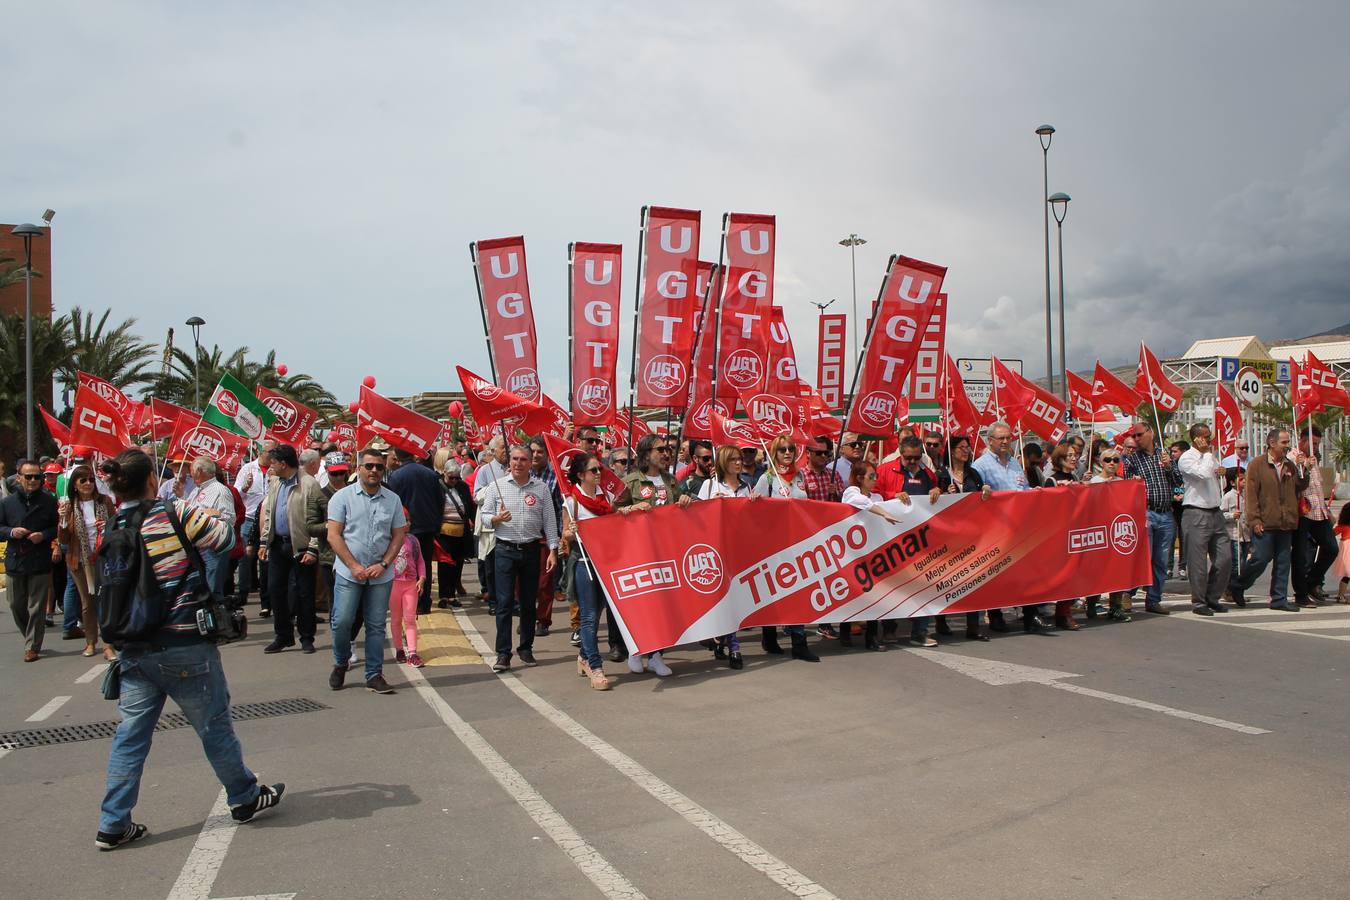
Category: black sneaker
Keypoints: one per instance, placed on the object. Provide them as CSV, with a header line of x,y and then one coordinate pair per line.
x,y
268,797
575,639
378,685
503,664
278,645
134,832
541,630
526,656
336,677
306,646
455,604
1202,611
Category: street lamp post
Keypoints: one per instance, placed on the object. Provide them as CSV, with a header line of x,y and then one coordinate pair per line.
x,y
196,323
28,231
853,242
1059,202
1046,134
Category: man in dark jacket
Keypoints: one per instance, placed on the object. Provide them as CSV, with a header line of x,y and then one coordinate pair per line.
x,y
421,491
28,523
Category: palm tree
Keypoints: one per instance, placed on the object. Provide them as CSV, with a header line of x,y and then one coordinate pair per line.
x,y
12,274
51,349
178,385
117,355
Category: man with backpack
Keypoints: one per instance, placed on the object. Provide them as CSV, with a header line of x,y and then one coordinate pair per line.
x,y
151,611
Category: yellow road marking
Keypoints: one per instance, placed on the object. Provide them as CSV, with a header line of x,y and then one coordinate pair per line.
x,y
441,642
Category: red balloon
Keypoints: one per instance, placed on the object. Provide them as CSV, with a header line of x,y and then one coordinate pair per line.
x,y
456,409
282,370
353,406
369,381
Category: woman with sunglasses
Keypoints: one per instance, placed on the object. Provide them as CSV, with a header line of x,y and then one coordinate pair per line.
x,y
81,517
960,477
584,501
1108,470
783,481
726,483
861,493
648,486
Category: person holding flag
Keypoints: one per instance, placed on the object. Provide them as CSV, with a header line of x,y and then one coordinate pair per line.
x,y
1161,479
1315,546
585,500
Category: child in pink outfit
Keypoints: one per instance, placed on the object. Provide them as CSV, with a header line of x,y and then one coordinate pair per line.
x,y
409,573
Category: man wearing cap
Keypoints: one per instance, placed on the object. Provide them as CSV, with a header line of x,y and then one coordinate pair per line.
x,y
28,522
337,468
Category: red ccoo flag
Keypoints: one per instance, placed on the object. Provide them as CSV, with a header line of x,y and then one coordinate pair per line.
x,y
1325,383
398,425
1153,384
59,432
1227,421
1108,390
98,423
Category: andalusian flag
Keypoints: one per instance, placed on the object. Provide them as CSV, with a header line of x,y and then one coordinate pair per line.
x,y
234,408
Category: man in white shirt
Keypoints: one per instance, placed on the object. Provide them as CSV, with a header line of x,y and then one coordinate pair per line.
x,y
1208,554
212,494
251,483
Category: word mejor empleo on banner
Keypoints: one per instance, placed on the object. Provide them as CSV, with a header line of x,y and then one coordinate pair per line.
x,y
681,575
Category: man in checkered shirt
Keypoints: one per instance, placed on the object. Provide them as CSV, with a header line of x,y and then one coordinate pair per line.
x,y
1161,479
520,509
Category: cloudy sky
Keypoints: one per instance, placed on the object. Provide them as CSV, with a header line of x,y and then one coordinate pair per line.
x,y
307,176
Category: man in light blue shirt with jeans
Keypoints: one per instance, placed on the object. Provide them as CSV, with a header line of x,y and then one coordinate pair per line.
x,y
366,527
1002,471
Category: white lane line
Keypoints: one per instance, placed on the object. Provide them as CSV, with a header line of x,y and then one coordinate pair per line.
x,y
47,709
994,672
746,850
1157,707
586,858
92,674
208,854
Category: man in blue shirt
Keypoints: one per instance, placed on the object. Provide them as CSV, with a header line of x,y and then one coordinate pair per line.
x,y
366,527
1002,471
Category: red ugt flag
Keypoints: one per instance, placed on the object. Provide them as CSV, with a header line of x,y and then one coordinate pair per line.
x,y
1150,381
97,423
505,286
893,342
746,303
193,438
667,304
596,275
293,419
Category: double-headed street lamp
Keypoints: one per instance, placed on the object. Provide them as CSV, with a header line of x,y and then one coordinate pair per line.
x,y
1046,133
28,231
1059,203
196,323
853,242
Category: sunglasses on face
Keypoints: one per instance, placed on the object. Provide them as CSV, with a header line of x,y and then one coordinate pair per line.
x,y
621,462
84,480
1110,459
34,477
593,470
703,459
854,444
590,440
820,453
373,467
787,449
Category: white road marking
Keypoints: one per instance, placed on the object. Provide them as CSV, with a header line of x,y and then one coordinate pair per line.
x,y
208,854
729,838
1306,623
92,674
47,709
586,858
995,672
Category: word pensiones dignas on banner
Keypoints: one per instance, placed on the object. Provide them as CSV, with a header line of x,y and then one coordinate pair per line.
x,y
679,575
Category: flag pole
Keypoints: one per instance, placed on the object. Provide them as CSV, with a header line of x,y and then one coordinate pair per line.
x,y
947,408
571,268
713,274
637,324
862,357
1152,397
717,319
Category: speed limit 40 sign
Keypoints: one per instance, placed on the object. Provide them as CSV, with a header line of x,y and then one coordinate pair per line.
x,y
1247,386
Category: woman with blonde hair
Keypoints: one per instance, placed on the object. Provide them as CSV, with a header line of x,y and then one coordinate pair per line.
x,y
81,517
726,483
783,481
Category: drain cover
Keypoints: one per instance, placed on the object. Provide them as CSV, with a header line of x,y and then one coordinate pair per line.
x,y
66,734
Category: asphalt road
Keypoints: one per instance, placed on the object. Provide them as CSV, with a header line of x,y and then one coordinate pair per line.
x,y
1167,757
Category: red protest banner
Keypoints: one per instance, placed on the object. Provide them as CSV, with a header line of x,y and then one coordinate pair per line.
x,y
398,425
744,308
293,419
924,389
666,304
783,376
893,343
492,407
594,297
97,422
344,435
961,415
1324,383
674,576
504,289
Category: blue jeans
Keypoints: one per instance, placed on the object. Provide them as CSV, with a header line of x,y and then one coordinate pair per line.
x,y
217,564
373,602
1162,531
193,677
1273,545
70,604
515,569
588,598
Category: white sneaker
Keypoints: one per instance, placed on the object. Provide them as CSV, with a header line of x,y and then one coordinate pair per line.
x,y
635,663
658,665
